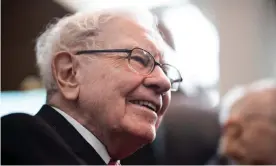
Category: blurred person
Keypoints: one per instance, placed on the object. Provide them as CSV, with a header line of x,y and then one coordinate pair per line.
x,y
108,88
248,119
30,83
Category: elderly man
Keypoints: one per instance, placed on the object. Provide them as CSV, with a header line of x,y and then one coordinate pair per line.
x,y
249,124
108,88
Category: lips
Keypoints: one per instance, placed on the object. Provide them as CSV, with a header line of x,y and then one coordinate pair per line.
x,y
150,105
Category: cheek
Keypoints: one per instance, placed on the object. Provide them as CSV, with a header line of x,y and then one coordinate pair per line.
x,y
127,82
166,99
94,85
107,87
166,102
157,124
264,135
123,79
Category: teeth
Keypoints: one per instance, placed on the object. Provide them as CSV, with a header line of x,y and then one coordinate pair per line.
x,y
145,103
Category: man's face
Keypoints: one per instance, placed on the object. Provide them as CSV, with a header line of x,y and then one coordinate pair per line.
x,y
250,135
113,97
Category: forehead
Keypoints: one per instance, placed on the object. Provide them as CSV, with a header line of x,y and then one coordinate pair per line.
x,y
258,103
126,33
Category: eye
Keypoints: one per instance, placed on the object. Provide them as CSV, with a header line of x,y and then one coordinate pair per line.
x,y
142,60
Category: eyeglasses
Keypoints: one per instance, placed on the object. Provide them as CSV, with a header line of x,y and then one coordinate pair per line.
x,y
142,62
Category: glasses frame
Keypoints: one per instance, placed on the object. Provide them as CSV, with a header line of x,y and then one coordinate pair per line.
x,y
129,53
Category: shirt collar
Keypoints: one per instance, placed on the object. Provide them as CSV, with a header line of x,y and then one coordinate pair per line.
x,y
87,135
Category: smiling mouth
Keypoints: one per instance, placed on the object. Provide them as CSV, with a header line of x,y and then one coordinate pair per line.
x,y
146,104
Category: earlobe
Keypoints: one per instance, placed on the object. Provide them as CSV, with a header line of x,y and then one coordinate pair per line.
x,y
64,67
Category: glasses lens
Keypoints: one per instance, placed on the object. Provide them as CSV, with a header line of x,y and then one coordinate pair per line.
x,y
174,76
141,61
175,86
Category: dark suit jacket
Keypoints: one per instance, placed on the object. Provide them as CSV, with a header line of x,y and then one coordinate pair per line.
x,y
46,138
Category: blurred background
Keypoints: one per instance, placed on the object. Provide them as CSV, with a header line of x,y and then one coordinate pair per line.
x,y
219,43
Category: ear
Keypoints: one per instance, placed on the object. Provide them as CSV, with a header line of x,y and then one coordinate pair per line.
x,y
64,67
235,148
233,128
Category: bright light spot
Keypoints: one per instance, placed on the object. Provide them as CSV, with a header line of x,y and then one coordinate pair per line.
x,y
197,45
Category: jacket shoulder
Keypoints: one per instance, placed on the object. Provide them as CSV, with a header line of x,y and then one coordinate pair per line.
x,y
16,117
20,124
28,139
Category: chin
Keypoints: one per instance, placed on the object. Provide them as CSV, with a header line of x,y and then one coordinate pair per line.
x,y
135,137
142,133
140,125
147,135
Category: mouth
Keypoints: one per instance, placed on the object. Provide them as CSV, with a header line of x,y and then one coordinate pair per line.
x,y
144,103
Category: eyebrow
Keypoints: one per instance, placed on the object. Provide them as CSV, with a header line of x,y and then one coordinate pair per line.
x,y
154,52
159,54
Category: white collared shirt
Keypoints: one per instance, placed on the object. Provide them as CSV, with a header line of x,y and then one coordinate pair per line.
x,y
87,135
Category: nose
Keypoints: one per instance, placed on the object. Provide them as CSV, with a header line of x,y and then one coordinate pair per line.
x,y
158,81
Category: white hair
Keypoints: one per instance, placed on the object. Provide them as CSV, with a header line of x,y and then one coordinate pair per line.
x,y
82,31
237,93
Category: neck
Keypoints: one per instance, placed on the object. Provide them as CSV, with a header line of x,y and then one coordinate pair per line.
x,y
69,107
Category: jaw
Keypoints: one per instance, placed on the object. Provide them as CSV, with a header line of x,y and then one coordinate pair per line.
x,y
125,143
135,131
134,128
140,127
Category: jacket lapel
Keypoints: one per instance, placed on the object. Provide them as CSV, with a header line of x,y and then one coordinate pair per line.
x,y
70,135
